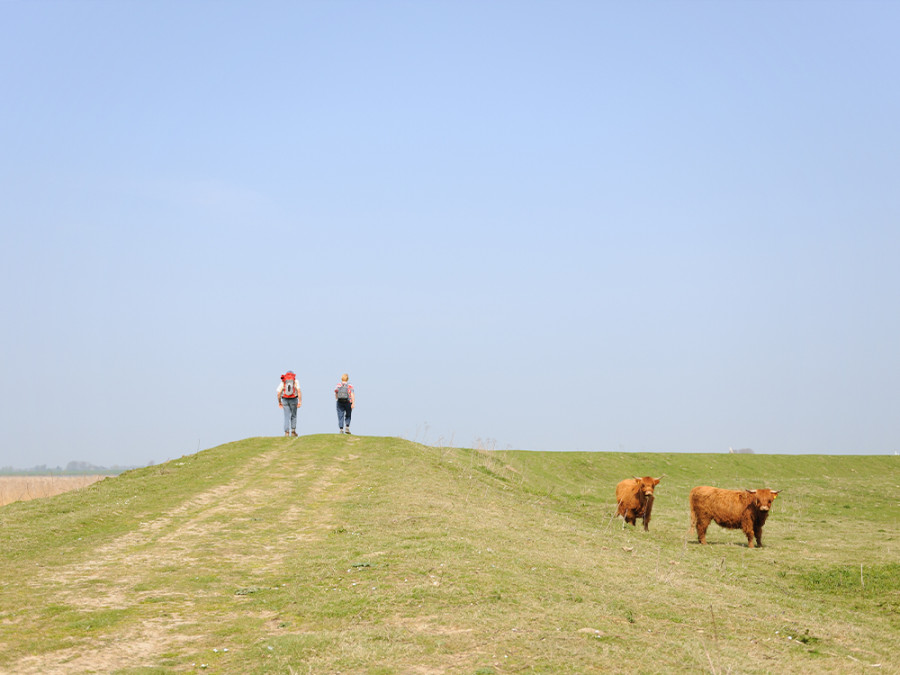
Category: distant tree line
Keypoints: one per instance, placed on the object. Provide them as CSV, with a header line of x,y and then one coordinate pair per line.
x,y
72,469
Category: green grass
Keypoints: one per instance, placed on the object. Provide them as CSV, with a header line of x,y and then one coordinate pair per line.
x,y
376,555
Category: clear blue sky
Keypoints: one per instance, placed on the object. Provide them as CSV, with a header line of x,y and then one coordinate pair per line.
x,y
667,226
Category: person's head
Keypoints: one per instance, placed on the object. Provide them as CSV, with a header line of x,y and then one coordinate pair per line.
x,y
345,377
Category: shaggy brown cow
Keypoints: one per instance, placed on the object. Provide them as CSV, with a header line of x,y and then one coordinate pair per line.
x,y
635,498
733,509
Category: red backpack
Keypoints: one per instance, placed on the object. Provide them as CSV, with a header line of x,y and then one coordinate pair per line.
x,y
290,385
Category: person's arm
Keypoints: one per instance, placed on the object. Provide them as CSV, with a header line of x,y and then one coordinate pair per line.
x,y
278,394
352,398
299,397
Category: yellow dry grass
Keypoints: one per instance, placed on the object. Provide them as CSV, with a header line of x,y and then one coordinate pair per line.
x,y
22,488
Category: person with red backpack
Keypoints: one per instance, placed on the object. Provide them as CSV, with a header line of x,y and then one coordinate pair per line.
x,y
346,401
289,399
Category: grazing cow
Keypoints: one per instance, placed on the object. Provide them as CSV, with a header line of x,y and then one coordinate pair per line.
x,y
635,498
733,509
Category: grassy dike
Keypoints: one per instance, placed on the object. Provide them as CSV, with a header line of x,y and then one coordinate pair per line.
x,y
331,554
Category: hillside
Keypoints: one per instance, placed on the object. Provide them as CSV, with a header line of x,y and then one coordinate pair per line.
x,y
376,555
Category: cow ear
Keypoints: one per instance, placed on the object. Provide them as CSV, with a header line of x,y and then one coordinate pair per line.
x,y
775,492
656,481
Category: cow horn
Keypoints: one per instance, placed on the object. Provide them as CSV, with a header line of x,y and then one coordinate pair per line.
x,y
752,491
635,477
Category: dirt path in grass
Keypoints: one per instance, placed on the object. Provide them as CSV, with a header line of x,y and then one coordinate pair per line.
x,y
214,529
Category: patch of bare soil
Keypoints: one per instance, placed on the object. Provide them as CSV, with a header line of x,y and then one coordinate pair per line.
x,y
107,653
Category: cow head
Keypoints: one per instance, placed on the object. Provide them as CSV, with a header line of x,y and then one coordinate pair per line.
x,y
646,484
763,498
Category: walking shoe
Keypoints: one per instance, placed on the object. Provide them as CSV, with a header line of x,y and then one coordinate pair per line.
x,y
347,431
293,433
287,433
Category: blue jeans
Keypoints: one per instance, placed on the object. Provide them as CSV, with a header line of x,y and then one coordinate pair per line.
x,y
343,411
290,413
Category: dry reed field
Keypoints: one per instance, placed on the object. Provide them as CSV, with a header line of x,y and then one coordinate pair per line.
x,y
23,488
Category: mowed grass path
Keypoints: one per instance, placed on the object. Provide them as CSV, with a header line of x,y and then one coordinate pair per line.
x,y
333,554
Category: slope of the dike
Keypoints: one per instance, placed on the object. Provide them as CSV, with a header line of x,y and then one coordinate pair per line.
x,y
376,555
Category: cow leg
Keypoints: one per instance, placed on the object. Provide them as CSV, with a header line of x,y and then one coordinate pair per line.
x,y
757,530
648,511
702,524
747,529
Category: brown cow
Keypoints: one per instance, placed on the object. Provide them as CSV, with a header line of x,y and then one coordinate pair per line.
x,y
635,498
733,509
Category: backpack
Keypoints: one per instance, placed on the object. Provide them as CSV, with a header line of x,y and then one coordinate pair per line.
x,y
290,385
343,392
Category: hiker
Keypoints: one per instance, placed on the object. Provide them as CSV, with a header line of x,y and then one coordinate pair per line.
x,y
346,401
289,399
